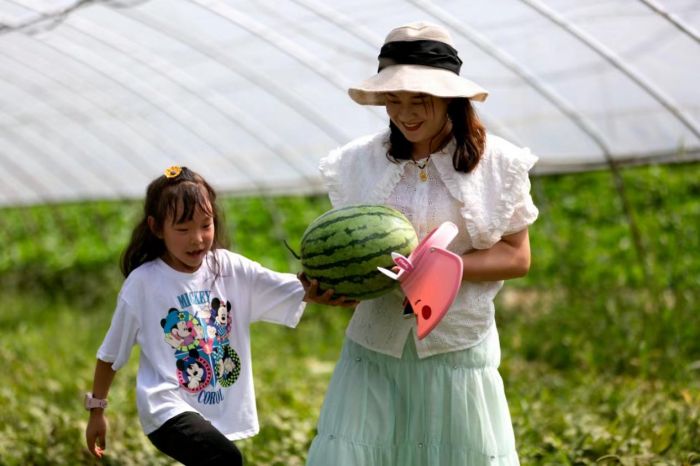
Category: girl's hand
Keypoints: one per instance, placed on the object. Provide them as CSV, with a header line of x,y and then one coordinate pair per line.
x,y
311,294
96,432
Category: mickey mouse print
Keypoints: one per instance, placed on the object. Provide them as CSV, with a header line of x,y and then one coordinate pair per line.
x,y
204,358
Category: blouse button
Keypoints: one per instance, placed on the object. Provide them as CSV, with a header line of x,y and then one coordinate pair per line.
x,y
420,445
331,437
358,359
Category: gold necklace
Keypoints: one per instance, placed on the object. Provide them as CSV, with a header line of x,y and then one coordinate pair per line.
x,y
422,174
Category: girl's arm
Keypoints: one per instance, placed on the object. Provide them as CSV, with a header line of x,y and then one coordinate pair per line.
x,y
96,430
509,258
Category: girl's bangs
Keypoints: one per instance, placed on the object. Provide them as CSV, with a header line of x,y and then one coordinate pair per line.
x,y
185,199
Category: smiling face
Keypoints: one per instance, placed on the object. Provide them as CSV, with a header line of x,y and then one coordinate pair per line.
x,y
182,330
188,241
421,118
222,316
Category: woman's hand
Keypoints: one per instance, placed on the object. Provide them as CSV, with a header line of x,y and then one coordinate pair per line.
x,y
96,432
311,294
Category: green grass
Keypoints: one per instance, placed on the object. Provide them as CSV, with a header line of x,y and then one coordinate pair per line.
x,y
601,347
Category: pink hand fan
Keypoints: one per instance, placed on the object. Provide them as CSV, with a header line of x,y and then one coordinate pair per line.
x,y
430,277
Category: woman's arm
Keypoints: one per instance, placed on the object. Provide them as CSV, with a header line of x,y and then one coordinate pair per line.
x,y
509,258
96,430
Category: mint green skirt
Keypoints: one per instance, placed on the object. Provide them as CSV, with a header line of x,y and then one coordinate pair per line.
x,y
444,410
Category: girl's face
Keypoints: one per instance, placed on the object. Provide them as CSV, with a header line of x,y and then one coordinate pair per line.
x,y
421,118
187,243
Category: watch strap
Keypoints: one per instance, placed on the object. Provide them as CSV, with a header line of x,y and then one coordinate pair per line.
x,y
92,402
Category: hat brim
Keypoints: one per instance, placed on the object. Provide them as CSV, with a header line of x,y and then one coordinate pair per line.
x,y
415,78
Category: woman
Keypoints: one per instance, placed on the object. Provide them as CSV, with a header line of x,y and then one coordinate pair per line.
x,y
394,399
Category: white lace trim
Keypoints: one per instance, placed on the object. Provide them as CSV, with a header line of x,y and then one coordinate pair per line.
x,y
495,195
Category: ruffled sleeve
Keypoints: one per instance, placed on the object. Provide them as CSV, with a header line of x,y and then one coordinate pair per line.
x,y
517,202
359,171
329,166
496,195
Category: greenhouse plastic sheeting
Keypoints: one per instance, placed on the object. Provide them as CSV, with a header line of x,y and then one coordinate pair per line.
x,y
98,98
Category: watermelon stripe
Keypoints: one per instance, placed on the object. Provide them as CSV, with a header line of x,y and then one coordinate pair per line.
x,y
357,260
356,279
332,249
358,284
342,248
323,238
352,219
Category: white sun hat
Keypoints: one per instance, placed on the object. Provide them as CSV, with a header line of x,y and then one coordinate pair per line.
x,y
417,57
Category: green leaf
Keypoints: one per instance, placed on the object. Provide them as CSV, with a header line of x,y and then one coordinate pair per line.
x,y
663,438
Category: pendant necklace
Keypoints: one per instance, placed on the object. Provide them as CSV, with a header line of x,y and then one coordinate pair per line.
x,y
422,174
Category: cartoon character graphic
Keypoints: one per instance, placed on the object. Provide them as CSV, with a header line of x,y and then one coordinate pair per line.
x,y
183,330
193,372
219,319
203,353
228,365
225,358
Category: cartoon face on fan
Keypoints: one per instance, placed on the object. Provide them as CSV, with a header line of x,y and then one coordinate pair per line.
x,y
430,277
203,355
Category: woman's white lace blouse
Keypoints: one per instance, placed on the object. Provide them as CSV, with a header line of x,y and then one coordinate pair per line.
x,y
490,202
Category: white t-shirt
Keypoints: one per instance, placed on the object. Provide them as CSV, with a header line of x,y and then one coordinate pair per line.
x,y
194,335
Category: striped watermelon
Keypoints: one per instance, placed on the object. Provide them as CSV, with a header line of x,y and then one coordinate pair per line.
x,y
343,248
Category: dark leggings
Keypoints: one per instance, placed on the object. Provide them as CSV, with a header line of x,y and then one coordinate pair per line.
x,y
192,440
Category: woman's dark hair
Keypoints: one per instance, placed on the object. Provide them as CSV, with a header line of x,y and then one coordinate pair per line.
x,y
467,129
164,197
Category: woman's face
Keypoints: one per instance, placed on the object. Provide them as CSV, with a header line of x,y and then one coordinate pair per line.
x,y
421,118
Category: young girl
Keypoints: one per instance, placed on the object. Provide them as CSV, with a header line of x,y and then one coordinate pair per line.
x,y
188,303
395,400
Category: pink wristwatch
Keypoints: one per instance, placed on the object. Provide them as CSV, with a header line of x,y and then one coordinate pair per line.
x,y
91,402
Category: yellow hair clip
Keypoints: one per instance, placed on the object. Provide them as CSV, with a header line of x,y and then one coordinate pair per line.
x,y
173,172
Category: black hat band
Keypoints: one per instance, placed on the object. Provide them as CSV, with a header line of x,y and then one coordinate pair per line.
x,y
420,52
